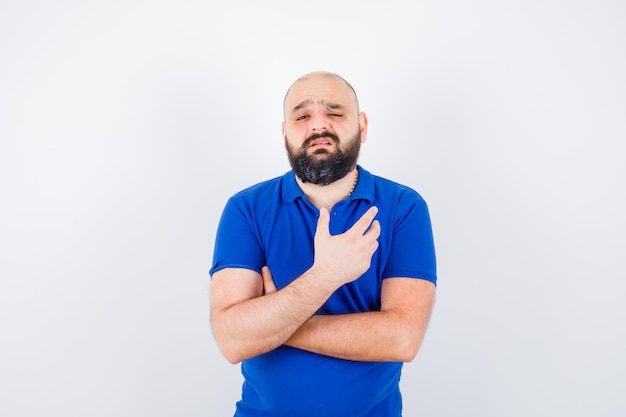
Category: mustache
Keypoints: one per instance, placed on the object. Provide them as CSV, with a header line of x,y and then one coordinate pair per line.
x,y
307,142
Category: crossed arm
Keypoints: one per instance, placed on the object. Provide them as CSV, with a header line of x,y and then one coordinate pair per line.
x,y
250,317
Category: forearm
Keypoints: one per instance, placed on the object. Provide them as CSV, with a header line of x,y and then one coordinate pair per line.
x,y
384,336
258,325
247,323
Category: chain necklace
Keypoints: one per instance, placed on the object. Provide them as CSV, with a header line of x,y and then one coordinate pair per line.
x,y
356,180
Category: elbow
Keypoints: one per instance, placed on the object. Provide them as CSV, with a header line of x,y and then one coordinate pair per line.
x,y
408,337
228,349
408,346
409,354
233,349
232,357
230,353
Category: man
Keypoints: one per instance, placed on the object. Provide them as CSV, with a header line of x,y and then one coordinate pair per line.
x,y
322,279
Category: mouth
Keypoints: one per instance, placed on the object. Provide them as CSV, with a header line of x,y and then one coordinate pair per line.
x,y
321,142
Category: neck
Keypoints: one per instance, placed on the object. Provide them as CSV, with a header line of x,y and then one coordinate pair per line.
x,y
328,195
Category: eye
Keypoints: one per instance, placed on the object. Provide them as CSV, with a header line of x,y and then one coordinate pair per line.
x,y
302,117
335,115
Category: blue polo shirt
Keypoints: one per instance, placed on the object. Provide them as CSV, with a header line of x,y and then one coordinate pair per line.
x,y
273,223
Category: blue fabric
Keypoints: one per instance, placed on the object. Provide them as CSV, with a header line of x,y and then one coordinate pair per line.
x,y
273,223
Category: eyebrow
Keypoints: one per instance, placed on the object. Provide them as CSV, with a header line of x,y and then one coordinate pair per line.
x,y
309,102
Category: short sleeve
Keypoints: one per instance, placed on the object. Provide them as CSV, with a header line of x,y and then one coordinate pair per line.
x,y
412,252
237,243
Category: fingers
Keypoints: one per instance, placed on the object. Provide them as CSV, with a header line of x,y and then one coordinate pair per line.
x,y
361,226
346,256
367,220
323,222
374,230
268,281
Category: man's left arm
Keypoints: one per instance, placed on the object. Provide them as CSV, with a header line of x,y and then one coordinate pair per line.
x,y
393,334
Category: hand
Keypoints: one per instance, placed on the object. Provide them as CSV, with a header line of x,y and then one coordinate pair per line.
x,y
345,257
268,282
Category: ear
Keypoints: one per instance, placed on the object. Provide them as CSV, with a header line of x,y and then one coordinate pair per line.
x,y
283,129
363,126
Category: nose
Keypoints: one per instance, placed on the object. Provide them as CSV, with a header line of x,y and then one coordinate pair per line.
x,y
319,123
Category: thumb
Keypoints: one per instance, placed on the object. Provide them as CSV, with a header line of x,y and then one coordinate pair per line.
x,y
268,281
323,223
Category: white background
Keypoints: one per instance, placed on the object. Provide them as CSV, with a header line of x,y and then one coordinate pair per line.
x,y
125,125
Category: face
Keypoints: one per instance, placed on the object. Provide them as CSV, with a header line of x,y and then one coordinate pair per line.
x,y
323,130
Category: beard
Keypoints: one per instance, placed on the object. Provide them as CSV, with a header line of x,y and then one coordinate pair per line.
x,y
324,167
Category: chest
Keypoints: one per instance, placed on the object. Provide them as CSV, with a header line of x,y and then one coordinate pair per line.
x,y
288,242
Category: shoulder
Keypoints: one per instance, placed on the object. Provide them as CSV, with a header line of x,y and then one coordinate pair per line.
x,y
388,190
260,189
262,192
263,200
397,201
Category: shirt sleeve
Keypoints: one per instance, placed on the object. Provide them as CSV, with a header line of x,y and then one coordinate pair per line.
x,y
412,253
237,243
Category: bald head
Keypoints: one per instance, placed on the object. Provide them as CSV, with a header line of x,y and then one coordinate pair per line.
x,y
319,79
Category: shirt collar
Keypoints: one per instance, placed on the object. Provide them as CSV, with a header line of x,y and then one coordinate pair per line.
x,y
364,187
